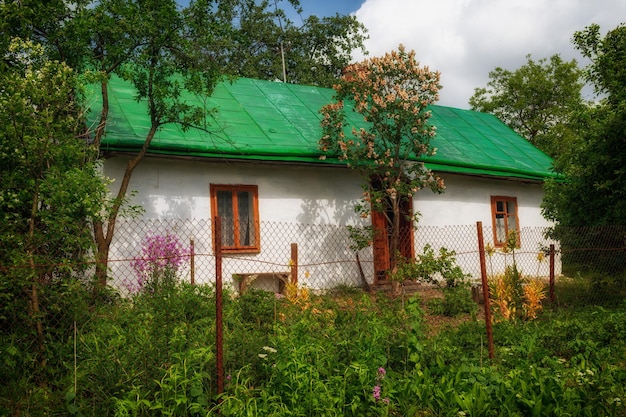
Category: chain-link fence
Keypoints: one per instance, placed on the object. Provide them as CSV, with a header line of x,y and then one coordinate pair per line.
x,y
324,256
325,259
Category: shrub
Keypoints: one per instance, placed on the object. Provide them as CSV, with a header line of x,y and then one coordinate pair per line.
x,y
456,301
431,268
514,297
160,259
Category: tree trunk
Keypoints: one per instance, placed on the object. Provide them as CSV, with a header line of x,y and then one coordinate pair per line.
x,y
102,253
102,246
364,284
104,236
34,306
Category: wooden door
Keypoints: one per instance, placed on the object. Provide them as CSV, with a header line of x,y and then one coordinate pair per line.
x,y
382,234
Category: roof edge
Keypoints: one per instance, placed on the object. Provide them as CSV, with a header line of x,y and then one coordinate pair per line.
x,y
327,162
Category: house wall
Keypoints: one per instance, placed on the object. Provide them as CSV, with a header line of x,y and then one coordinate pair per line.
x,y
294,203
310,195
297,204
449,220
292,194
467,200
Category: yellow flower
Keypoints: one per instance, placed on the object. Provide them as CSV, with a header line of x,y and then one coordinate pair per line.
x,y
489,250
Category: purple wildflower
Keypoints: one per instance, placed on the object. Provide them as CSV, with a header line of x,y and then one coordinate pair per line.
x,y
161,255
376,392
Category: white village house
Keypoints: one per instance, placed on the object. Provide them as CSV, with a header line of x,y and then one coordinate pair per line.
x,y
259,163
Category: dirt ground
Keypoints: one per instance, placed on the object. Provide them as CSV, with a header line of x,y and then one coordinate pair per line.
x,y
434,323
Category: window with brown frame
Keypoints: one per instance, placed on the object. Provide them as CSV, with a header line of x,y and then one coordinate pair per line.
x,y
504,219
238,208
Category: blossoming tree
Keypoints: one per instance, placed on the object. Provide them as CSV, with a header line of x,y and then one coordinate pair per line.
x,y
392,93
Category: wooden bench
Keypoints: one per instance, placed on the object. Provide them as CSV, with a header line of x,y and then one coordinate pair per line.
x,y
244,280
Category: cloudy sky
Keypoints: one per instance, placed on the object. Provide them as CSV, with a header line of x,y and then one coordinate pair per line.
x,y
465,39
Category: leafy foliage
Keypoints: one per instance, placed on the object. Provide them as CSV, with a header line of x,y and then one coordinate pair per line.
x,y
512,295
593,194
350,354
537,100
48,191
163,48
432,268
441,270
263,38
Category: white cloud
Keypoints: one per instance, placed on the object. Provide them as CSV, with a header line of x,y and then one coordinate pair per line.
x,y
465,39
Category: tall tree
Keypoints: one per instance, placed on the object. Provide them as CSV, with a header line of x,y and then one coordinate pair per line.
x,y
162,49
595,190
266,44
48,187
594,193
148,43
536,100
392,93
151,43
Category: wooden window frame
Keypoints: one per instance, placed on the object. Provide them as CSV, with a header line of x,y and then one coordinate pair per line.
x,y
495,212
234,189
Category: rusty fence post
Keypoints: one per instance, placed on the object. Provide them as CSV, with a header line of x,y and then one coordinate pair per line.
x,y
485,284
552,297
219,325
293,262
192,259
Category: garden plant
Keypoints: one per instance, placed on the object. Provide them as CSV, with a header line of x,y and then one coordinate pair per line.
x,y
346,353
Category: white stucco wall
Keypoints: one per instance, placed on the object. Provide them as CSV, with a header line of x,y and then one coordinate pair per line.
x,y
297,204
467,200
312,195
292,194
449,220
309,206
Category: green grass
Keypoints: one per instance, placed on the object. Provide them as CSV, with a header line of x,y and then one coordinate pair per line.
x,y
347,353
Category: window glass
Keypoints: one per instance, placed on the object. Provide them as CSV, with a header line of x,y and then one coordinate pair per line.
x,y
225,211
512,223
504,218
511,207
237,207
247,230
500,228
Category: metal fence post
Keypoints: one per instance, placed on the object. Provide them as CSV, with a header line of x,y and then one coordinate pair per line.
x,y
294,263
483,275
192,256
552,273
219,325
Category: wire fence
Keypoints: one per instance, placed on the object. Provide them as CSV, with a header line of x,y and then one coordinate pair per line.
x,y
325,259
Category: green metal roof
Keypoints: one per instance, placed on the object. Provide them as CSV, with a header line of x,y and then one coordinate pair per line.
x,y
274,121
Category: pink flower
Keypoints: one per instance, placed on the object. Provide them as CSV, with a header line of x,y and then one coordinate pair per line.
x,y
376,392
160,254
